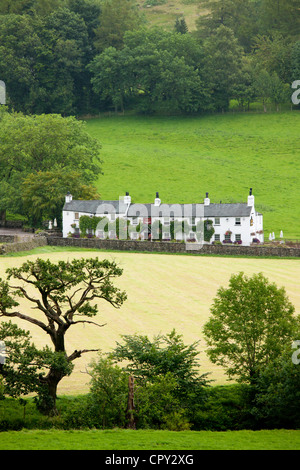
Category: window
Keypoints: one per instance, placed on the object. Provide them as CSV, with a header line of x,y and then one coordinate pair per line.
x,y
166,220
166,235
238,237
193,221
217,237
76,216
135,220
237,221
227,236
217,220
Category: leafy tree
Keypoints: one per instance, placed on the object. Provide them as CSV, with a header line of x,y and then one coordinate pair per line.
x,y
240,16
222,65
159,69
280,16
117,17
295,61
181,26
62,294
43,193
21,363
278,393
108,392
47,143
165,354
251,323
262,87
274,55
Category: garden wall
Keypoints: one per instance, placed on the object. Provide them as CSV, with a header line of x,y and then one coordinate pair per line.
x,y
168,247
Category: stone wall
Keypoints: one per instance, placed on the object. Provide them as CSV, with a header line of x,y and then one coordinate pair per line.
x,y
23,245
7,238
167,247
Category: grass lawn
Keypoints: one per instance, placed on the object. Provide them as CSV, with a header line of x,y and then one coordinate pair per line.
x,y
164,292
118,440
184,157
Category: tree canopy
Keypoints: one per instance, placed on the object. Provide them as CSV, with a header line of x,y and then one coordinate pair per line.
x,y
252,322
40,154
62,294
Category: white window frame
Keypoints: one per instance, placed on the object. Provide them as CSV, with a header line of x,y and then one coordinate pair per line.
x,y
238,221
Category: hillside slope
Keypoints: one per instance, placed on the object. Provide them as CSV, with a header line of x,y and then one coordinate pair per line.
x,y
184,157
165,15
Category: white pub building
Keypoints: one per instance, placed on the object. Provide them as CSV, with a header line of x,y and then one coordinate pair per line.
x,y
236,223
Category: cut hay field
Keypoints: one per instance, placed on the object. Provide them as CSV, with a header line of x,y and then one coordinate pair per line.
x,y
184,157
164,292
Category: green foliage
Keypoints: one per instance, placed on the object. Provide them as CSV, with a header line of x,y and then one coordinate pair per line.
x,y
154,69
168,358
277,393
158,407
51,155
208,230
251,322
63,293
108,393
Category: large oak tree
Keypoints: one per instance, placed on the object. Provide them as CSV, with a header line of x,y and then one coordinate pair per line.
x,y
64,294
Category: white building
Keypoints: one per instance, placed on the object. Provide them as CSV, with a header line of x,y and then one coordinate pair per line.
x,y
232,223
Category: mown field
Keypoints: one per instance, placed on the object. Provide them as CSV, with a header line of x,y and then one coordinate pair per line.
x,y
184,157
164,292
120,440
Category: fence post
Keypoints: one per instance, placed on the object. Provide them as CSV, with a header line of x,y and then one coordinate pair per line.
x,y
130,406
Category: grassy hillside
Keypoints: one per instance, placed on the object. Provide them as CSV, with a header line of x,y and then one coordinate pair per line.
x,y
164,292
165,15
225,155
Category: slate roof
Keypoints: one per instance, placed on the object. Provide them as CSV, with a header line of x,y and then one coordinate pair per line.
x,y
95,206
227,210
164,210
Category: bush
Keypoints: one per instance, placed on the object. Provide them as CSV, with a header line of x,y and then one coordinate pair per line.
x,y
157,406
108,394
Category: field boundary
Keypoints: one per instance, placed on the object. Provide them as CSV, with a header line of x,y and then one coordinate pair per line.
x,y
169,247
12,246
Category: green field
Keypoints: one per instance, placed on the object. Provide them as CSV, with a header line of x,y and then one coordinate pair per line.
x,y
164,292
184,157
150,440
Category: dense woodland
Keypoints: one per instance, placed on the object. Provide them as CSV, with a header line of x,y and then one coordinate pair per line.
x,y
78,57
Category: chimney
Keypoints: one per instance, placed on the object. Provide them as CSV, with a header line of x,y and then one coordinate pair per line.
x,y
250,201
206,200
157,201
127,199
69,197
